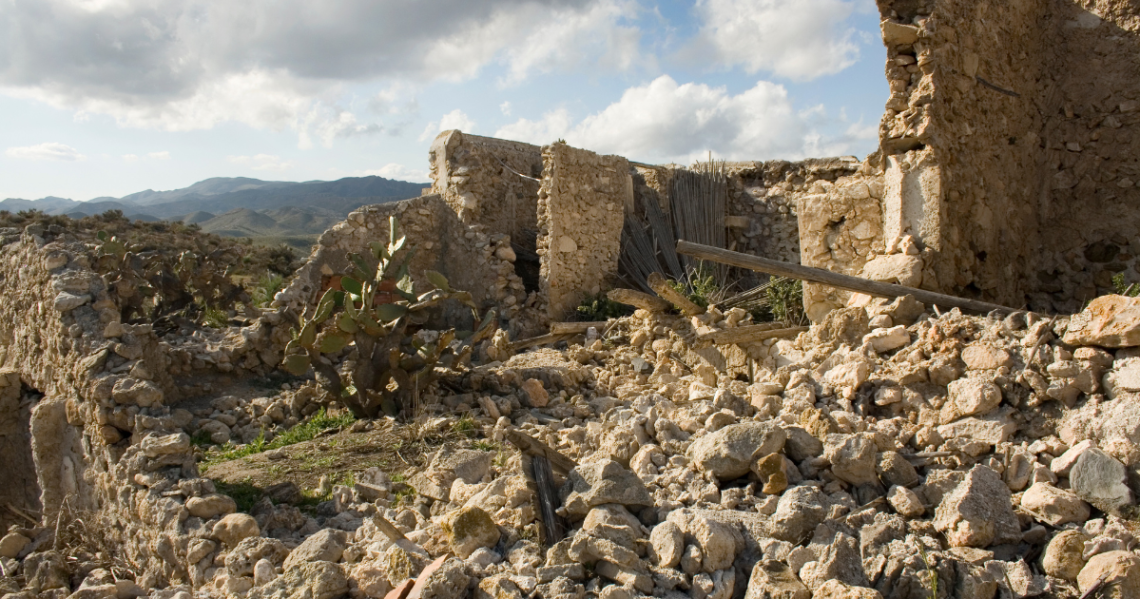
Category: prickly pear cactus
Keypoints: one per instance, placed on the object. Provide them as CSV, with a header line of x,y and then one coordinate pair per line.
x,y
363,328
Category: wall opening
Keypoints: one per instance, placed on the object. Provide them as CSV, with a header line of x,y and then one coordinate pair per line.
x,y
21,488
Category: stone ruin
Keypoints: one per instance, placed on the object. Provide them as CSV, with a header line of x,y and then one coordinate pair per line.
x,y
891,450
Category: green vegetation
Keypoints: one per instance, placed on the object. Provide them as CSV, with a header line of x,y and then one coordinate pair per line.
x,y
464,426
265,288
599,307
786,301
700,286
245,494
306,431
372,310
930,571
482,445
1123,288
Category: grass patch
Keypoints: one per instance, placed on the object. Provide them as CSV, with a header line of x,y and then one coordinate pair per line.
x,y
464,426
306,431
485,445
599,307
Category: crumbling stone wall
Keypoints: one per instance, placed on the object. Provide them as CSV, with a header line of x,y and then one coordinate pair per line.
x,y
581,208
491,183
473,261
21,488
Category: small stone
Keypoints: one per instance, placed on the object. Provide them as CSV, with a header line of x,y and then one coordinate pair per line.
x,y
1117,571
1064,555
469,529
884,340
12,544
1054,506
775,580
729,452
972,397
982,356
798,512
668,543
615,523
604,481
231,529
905,502
326,545
263,572
1101,480
852,457
896,470
446,580
66,301
772,472
535,393
370,579
977,512
210,506
834,589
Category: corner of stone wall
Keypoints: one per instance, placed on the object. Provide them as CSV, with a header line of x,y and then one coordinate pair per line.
x,y
581,212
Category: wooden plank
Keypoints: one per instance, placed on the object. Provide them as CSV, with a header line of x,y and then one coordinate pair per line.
x,y
638,299
536,341
752,334
532,446
832,279
546,493
576,328
662,288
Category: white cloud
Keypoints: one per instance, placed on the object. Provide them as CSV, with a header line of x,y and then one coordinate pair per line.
x,y
45,151
182,65
132,158
400,173
261,162
164,155
666,122
505,108
797,39
129,158
456,119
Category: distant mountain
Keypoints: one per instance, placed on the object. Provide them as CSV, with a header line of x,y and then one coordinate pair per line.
x,y
239,206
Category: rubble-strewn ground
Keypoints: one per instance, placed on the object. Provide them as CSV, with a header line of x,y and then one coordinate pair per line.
x,y
890,451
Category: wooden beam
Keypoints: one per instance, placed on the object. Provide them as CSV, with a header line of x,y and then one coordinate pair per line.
x,y
662,288
751,334
576,328
536,341
638,299
832,279
546,493
533,446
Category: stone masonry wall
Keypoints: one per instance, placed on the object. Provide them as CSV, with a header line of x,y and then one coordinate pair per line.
x,y
488,182
581,212
473,261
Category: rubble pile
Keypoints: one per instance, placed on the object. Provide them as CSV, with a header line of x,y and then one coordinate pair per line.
x,y
889,451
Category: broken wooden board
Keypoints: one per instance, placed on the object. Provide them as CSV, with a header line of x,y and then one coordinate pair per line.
x,y
532,446
661,287
640,300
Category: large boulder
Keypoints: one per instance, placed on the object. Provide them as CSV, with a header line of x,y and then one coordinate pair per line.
x,y
729,452
977,513
598,483
1108,321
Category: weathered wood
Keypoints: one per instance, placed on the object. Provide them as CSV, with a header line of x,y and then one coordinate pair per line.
x,y
752,334
638,299
536,341
832,279
575,328
661,287
533,446
546,493
388,528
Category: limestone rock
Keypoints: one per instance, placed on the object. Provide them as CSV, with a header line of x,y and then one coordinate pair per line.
x,y
883,340
972,396
326,545
729,452
242,559
1054,506
231,529
799,511
1064,555
498,587
902,269
772,472
535,393
1101,480
896,470
601,482
12,544
1119,571
614,523
66,301
905,502
210,506
668,543
983,356
840,560
469,529
448,580
312,580
977,512
1108,321
404,559
263,572
775,580
834,589
852,457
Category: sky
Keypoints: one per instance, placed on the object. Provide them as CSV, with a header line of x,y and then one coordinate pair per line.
x,y
102,98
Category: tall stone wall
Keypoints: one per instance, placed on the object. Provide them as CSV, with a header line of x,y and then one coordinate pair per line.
x,y
581,208
490,183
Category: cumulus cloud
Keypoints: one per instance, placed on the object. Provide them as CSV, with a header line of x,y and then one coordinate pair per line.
x,y
281,64
456,119
45,151
797,39
400,173
164,155
261,162
131,158
665,121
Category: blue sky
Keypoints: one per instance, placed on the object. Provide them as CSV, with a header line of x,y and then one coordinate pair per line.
x,y
110,97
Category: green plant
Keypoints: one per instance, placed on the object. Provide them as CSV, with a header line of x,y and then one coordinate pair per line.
x,y
1123,288
306,431
482,445
372,312
244,493
786,301
930,571
265,288
599,307
700,286
464,426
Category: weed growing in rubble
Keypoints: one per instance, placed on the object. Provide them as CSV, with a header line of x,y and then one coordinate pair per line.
x,y
930,571
265,288
464,426
786,301
701,286
485,446
306,431
598,307
1123,288
244,494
